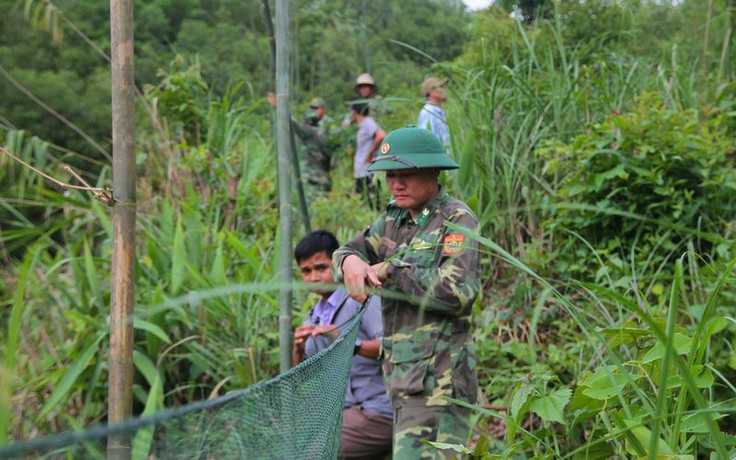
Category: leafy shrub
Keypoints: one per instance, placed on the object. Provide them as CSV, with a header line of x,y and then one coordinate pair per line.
x,y
647,179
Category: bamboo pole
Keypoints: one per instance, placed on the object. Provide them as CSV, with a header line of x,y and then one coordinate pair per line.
x,y
120,383
283,133
706,38
725,70
303,208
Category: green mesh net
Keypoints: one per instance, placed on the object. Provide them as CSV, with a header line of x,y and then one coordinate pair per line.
x,y
297,414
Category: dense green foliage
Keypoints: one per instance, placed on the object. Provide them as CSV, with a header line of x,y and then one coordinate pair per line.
x,y
332,43
596,145
635,183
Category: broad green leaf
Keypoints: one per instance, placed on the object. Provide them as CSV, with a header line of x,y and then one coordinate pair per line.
x,y
617,171
144,436
92,279
624,335
144,325
217,272
584,407
575,187
244,251
195,235
604,382
598,451
12,339
702,376
178,259
644,436
81,322
101,212
698,423
146,261
668,457
550,407
716,325
70,378
19,307
146,367
681,344
520,397
445,446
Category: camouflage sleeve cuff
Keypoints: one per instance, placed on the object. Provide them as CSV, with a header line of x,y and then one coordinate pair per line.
x,y
337,260
391,272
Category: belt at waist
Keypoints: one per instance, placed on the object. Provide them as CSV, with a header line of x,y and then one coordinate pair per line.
x,y
460,325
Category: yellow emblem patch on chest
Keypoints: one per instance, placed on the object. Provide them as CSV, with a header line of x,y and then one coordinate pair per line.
x,y
453,244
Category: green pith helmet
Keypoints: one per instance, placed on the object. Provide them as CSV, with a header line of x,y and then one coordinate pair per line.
x,y
311,116
316,103
411,148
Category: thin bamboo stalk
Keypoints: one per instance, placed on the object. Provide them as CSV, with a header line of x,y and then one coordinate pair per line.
x,y
120,383
283,144
725,70
706,37
303,208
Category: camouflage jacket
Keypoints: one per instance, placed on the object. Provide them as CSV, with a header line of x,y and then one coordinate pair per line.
x,y
316,152
432,281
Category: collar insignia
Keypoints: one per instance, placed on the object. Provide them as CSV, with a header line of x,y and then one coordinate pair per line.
x,y
423,217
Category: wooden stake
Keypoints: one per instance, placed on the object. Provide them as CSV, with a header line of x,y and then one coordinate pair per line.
x,y
120,383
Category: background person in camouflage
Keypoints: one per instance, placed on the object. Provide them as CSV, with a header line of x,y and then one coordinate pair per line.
x,y
317,145
429,275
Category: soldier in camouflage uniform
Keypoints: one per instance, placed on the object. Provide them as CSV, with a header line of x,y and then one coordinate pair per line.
x,y
429,275
317,144
316,151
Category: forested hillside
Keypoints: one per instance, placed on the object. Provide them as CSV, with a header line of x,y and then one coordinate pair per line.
x,y
596,143
57,52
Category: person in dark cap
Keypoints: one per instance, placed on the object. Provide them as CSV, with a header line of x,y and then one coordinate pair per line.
x,y
368,138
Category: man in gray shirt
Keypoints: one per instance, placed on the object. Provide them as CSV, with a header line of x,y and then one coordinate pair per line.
x,y
368,138
367,413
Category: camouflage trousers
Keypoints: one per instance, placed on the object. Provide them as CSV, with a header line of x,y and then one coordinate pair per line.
x,y
415,422
317,186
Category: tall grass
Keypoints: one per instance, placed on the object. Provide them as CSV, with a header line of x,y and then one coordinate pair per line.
x,y
648,386
209,232
592,367
585,370
206,313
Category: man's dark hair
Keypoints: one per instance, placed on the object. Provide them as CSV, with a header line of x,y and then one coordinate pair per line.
x,y
315,242
360,107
